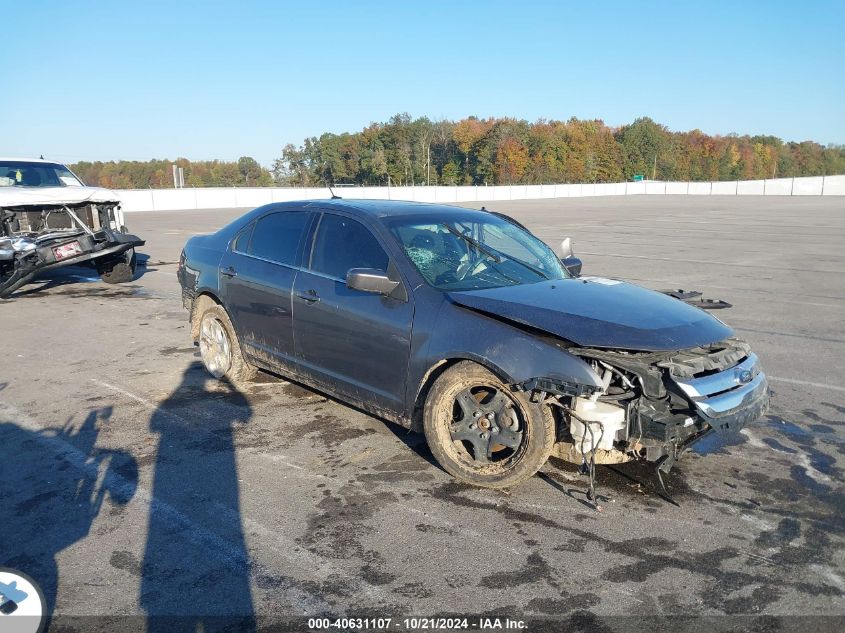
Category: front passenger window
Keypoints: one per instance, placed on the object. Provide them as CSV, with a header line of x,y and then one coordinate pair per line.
x,y
343,243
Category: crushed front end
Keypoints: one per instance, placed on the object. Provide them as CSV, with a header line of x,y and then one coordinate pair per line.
x,y
39,237
656,405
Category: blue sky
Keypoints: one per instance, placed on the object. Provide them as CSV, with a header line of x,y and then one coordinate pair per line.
x,y
137,80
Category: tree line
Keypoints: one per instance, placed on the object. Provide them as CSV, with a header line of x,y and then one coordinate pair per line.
x,y
473,151
158,174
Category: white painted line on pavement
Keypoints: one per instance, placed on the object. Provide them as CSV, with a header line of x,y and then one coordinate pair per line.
x,y
146,403
711,262
173,416
806,383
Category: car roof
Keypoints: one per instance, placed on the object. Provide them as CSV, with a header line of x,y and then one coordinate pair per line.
x,y
18,159
384,211
393,208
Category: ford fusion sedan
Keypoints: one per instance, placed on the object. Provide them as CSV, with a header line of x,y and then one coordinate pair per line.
x,y
463,325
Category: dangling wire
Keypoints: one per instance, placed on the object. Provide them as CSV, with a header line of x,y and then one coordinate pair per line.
x,y
587,467
591,493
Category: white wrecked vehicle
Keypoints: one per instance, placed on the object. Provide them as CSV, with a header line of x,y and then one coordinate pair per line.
x,y
49,218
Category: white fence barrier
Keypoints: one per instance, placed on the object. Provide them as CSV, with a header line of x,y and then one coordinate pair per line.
x,y
248,198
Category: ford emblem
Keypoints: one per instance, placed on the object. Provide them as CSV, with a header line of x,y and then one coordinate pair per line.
x,y
744,376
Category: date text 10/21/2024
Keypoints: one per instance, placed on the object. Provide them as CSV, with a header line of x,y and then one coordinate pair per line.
x,y
417,624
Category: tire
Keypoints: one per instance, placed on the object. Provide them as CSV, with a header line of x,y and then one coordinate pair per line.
x,y
12,282
526,428
219,348
120,270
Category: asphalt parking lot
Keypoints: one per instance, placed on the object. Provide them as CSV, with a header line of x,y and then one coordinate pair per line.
x,y
132,484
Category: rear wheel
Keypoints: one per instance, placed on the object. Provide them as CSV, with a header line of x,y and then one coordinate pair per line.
x,y
119,270
219,348
483,433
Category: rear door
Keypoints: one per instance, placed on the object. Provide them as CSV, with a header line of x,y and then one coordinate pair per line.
x,y
356,343
257,275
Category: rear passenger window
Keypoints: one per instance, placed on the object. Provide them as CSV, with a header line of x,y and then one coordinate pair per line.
x,y
241,241
342,243
276,236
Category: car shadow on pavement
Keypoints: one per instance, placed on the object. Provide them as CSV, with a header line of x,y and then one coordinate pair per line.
x,y
636,479
143,265
56,278
70,275
414,441
53,484
195,575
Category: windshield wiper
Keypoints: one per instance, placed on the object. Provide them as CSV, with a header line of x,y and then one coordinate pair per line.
x,y
475,243
495,255
528,266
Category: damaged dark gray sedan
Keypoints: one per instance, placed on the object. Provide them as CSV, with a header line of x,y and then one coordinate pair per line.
x,y
462,324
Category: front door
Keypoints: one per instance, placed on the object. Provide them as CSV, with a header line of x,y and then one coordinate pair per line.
x,y
353,342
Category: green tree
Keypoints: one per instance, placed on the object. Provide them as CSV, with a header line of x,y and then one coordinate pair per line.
x,y
642,144
450,174
252,174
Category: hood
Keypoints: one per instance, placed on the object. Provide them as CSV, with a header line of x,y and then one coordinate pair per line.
x,y
598,312
39,196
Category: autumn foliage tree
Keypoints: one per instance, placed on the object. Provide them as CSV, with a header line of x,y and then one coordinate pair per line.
x,y
473,151
158,174
511,160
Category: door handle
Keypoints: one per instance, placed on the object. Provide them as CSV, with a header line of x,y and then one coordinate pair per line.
x,y
309,296
229,271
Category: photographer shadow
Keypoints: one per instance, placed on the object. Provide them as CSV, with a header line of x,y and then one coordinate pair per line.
x,y
196,568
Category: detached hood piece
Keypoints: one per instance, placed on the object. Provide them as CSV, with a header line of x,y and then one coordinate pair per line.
x,y
40,196
598,312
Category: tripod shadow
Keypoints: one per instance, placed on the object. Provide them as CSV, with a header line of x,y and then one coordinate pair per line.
x,y
53,484
196,568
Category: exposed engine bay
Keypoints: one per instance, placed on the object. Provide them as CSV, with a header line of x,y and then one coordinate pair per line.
x,y
656,405
35,237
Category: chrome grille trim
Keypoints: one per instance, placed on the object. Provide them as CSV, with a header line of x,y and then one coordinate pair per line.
x,y
724,393
721,381
729,402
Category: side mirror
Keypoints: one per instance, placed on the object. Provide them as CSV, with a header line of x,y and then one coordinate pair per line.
x,y
370,280
567,257
573,265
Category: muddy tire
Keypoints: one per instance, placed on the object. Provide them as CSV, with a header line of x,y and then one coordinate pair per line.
x,y
483,433
219,348
120,270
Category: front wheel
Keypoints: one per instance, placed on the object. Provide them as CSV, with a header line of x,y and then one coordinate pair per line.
x,y
121,269
483,433
219,348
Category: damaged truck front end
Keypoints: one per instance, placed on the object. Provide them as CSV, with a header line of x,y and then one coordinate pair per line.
x,y
37,236
656,405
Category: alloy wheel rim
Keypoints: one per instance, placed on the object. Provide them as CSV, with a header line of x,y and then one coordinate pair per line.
x,y
486,426
214,347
